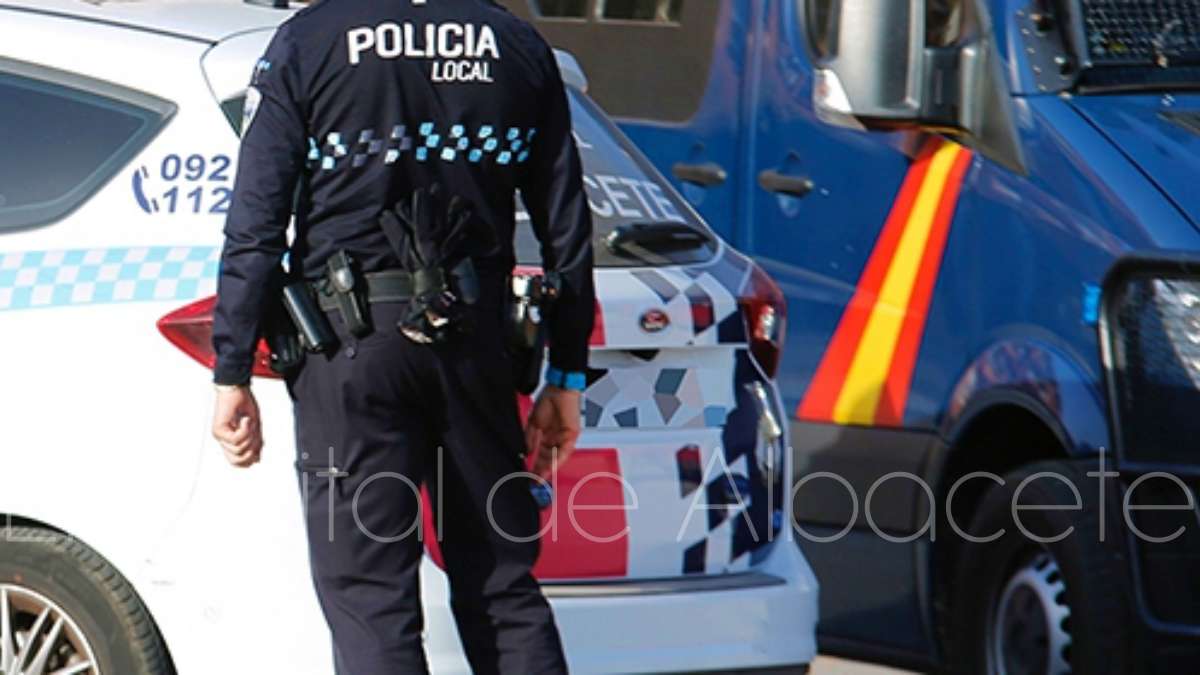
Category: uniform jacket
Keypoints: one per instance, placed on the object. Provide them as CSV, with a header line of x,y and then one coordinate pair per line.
x,y
358,102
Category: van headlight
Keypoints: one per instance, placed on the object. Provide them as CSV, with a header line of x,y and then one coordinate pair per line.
x,y
1153,343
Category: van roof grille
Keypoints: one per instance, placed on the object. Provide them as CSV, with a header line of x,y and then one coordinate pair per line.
x,y
1125,33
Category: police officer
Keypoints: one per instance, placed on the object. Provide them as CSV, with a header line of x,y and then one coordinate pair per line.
x,y
356,105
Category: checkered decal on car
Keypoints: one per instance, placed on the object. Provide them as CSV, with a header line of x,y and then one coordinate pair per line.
x,y
742,502
40,279
701,302
732,511
670,364
726,499
669,391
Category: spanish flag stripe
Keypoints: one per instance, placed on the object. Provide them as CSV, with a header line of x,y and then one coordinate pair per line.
x,y
866,372
822,393
859,398
895,397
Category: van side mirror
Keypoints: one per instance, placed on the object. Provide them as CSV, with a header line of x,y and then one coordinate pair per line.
x,y
913,64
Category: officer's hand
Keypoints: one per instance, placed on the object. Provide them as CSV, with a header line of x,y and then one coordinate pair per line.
x,y
553,429
237,427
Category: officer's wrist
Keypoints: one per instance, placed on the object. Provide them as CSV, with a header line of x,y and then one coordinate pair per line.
x,y
568,380
230,371
228,388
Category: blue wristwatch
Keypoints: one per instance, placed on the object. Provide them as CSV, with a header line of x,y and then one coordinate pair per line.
x,y
575,381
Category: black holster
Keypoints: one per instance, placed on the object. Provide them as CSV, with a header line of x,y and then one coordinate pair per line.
x,y
344,281
293,324
283,338
530,299
313,327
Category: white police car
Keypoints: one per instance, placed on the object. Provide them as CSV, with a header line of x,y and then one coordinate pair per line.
x,y
132,548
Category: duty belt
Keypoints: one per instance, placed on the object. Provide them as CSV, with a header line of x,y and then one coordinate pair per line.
x,y
388,286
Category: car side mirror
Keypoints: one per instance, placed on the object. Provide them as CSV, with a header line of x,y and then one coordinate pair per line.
x,y
913,64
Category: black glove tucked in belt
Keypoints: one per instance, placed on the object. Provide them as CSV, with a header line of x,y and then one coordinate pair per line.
x,y
429,232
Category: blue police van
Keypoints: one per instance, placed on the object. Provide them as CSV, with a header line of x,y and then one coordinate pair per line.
x,y
984,215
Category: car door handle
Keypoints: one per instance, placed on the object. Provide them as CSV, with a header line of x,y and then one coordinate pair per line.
x,y
706,175
773,181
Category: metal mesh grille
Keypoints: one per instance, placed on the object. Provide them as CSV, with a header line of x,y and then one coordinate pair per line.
x,y
1143,32
1157,361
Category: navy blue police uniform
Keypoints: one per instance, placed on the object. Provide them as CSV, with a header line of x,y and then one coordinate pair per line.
x,y
356,104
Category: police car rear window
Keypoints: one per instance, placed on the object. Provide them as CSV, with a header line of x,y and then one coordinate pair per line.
x,y
64,137
623,189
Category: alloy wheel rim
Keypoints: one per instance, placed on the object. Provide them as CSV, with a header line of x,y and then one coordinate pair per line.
x,y
1029,629
37,637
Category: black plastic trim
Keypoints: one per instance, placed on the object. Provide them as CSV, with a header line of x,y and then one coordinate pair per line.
x,y
1152,264
624,587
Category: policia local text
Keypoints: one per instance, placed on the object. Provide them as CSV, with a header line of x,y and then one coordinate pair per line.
x,y
460,49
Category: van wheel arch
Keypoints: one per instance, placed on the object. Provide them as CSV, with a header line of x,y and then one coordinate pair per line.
x,y
1060,602
997,436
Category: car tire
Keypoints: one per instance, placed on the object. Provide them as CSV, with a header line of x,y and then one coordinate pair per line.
x,y
92,614
1018,605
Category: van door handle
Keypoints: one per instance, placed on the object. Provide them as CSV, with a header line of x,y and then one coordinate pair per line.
x,y
706,175
773,181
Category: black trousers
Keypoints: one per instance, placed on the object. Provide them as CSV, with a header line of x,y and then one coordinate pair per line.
x,y
374,421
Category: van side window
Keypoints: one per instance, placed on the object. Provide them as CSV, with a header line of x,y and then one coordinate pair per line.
x,y
561,9
821,23
67,137
661,11
944,22
660,72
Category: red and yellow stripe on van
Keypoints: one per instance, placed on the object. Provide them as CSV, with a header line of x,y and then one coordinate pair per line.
x,y
865,374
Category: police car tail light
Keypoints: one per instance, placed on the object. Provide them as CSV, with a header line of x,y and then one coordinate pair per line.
x,y
190,329
765,310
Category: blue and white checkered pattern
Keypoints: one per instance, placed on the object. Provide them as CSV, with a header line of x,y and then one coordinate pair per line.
x,y
503,146
38,279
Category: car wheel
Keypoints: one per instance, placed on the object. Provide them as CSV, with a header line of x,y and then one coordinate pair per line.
x,y
1023,607
64,610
